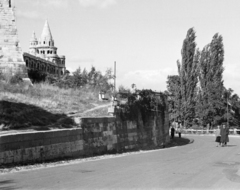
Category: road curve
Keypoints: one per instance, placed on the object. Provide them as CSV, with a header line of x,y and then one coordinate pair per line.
x,y
200,165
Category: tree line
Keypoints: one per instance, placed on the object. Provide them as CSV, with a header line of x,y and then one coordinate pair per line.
x,y
197,94
83,78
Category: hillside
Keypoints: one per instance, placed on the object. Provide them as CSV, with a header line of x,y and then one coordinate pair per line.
x,y
44,106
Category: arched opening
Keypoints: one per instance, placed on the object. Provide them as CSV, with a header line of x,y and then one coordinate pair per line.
x,y
27,63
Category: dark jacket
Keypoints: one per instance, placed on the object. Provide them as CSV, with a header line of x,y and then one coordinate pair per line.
x,y
224,134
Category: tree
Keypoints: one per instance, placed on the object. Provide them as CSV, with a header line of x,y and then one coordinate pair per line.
x,y
202,107
235,109
188,72
210,95
174,97
84,76
92,75
232,107
216,86
77,78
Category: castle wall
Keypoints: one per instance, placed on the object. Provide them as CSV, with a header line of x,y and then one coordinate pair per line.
x,y
12,58
42,65
95,136
10,52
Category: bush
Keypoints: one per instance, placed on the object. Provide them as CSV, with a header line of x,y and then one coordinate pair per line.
x,y
16,79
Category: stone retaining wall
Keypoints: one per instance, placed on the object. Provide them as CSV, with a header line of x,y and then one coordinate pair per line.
x,y
95,136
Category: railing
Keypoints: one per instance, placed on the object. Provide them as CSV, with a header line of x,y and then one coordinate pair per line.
x,y
205,131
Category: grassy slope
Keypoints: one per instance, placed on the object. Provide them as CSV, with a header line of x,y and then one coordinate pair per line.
x,y
44,106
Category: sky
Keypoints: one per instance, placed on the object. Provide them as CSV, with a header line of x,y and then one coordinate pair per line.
x,y
144,37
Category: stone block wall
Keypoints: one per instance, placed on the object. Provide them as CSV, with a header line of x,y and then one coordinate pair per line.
x,y
95,136
10,52
40,146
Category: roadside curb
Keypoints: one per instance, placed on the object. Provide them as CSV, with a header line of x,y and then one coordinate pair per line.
x,y
191,141
237,136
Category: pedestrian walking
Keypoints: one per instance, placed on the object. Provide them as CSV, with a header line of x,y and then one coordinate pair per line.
x,y
172,132
218,136
224,131
179,130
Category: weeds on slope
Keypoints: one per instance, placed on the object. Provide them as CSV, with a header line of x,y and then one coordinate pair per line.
x,y
42,105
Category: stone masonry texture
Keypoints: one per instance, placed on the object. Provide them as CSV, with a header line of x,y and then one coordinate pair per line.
x,y
95,136
11,58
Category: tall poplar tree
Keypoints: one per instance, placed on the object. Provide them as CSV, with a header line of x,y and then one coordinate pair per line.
x,y
188,72
202,107
216,85
210,98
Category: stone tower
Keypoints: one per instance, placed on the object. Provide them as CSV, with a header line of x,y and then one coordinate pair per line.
x,y
33,44
11,58
46,43
45,48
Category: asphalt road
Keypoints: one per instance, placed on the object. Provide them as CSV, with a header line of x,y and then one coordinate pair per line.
x,y
200,165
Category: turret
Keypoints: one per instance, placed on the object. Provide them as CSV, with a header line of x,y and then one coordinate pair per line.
x,y
46,46
46,37
33,44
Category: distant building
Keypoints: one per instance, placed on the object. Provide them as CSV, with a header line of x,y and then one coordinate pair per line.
x,y
43,54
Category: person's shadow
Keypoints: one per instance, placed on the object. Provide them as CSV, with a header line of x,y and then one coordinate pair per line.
x,y
229,145
25,116
7,185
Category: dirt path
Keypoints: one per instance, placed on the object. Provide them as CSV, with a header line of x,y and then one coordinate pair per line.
x,y
90,110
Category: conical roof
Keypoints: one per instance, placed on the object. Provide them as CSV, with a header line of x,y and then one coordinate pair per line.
x,y
46,33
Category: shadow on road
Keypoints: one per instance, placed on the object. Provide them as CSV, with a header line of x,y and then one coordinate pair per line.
x,y
230,145
176,141
7,185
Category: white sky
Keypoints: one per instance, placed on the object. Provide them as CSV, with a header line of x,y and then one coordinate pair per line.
x,y
144,37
